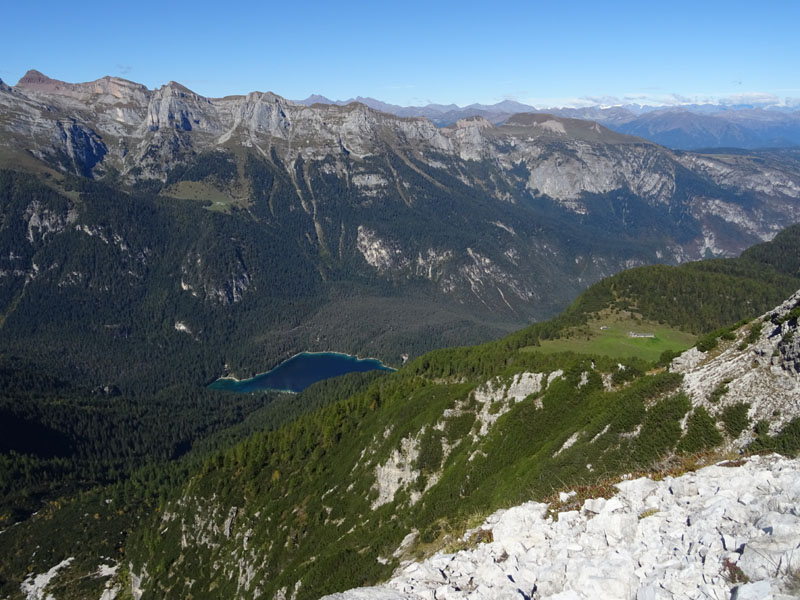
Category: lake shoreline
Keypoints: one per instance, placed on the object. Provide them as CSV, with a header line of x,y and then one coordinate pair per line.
x,y
237,380
234,381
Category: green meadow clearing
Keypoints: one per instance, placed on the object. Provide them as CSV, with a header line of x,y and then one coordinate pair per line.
x,y
609,334
201,191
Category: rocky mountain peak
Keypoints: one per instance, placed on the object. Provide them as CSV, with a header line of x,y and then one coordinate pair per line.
x,y
34,76
38,81
178,87
107,90
316,99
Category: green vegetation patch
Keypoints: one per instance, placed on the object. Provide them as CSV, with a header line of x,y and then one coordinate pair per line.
x,y
619,335
710,340
735,418
458,427
209,194
787,441
752,335
718,392
661,430
701,433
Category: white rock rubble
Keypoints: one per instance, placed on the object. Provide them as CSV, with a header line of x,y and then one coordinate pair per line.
x,y
720,532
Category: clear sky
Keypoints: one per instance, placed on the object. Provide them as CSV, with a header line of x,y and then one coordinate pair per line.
x,y
415,52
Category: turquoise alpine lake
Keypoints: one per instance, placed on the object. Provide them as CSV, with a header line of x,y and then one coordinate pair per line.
x,y
300,371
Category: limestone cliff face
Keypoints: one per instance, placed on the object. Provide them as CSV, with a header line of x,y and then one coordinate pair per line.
x,y
87,128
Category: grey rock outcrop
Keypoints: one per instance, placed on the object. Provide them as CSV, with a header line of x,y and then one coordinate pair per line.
x,y
700,535
763,374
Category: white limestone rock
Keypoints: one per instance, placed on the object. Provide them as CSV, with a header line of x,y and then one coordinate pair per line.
x,y
741,515
764,374
760,590
397,472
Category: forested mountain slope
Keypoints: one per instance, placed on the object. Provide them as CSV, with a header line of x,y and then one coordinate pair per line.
x,y
159,214
461,431
458,430
343,495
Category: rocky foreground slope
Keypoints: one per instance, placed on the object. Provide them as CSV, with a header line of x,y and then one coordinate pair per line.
x,y
731,530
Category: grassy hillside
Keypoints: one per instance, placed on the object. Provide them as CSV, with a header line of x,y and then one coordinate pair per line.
x,y
618,334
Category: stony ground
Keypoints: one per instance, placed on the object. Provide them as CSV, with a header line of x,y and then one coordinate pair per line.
x,y
721,532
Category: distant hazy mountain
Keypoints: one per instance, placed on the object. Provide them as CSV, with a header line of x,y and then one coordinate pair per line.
x,y
441,114
699,127
686,127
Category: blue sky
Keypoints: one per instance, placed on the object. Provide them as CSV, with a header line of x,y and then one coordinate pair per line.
x,y
412,52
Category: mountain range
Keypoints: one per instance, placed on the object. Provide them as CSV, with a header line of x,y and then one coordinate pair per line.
x,y
683,127
439,235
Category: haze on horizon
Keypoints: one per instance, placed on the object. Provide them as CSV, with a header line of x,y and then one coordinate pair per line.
x,y
415,53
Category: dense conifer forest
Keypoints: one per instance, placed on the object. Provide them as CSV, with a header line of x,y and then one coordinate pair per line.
x,y
132,448
120,304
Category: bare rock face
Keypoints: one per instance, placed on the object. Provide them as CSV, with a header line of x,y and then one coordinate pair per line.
x,y
43,221
789,358
699,535
737,173
383,255
397,472
783,323
224,288
763,374
504,395
83,147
